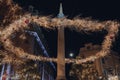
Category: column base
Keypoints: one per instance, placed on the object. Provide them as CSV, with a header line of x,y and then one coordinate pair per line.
x,y
61,78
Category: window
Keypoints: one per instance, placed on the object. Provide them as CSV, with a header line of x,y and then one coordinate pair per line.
x,y
26,41
103,60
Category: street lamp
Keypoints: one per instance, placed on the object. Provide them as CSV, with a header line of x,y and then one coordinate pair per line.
x,y
71,54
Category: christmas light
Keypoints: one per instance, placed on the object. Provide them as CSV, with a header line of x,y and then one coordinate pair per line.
x,y
47,22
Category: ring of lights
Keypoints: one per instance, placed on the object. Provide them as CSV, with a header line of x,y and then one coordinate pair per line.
x,y
77,24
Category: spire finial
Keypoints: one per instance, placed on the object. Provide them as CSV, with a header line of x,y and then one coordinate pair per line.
x,y
60,15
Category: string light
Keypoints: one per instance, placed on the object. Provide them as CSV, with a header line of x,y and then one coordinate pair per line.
x,y
52,23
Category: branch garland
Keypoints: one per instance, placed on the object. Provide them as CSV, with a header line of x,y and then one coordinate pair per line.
x,y
52,23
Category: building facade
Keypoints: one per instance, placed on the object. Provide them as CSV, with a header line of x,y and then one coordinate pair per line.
x,y
32,43
108,66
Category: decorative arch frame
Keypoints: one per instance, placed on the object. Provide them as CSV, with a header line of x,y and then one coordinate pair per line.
x,y
80,24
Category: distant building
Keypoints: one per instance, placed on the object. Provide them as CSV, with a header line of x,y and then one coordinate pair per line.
x,y
109,66
47,69
38,46
32,42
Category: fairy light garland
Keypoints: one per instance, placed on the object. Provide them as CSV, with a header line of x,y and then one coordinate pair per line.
x,y
12,61
52,23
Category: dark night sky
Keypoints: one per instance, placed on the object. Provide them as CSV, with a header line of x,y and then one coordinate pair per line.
x,y
96,9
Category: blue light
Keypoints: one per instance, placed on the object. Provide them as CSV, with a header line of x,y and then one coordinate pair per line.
x,y
40,44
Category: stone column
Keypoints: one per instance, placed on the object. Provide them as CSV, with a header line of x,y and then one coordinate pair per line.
x,y
99,67
61,55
